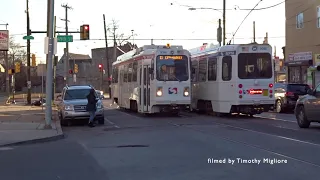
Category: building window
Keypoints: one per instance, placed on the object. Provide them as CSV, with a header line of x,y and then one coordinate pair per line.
x,y
318,17
300,21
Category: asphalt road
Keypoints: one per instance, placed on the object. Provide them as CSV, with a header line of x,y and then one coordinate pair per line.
x,y
189,147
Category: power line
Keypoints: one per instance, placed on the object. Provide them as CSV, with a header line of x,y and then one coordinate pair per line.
x,y
173,39
268,7
204,8
244,20
304,22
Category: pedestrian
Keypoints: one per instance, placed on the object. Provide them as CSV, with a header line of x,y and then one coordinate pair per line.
x,y
91,106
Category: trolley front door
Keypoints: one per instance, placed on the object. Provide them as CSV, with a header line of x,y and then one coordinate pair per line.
x,y
145,88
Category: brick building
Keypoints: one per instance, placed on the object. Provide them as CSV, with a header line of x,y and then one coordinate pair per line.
x,y
302,38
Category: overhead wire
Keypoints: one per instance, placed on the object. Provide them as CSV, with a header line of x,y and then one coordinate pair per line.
x,y
243,21
268,7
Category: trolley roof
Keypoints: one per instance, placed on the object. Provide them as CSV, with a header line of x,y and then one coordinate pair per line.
x,y
211,48
145,50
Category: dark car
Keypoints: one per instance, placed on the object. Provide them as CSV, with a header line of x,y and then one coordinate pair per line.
x,y
287,94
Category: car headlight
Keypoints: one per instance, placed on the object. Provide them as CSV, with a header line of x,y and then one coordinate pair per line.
x,y
159,91
186,91
68,107
101,92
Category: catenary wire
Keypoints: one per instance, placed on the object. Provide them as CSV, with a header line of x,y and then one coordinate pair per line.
x,y
244,20
268,7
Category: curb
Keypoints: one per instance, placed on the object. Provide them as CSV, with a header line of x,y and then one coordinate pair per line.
x,y
35,141
41,140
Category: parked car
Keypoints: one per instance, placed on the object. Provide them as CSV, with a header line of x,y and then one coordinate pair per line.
x,y
287,94
307,108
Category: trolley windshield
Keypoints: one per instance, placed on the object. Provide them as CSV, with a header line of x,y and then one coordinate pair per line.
x,y
255,66
172,68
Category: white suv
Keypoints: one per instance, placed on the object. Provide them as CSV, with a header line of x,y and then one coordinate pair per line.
x,y
72,105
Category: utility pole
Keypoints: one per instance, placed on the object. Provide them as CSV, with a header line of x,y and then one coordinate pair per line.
x,y
254,32
49,77
107,55
114,45
28,56
66,63
224,22
13,81
54,61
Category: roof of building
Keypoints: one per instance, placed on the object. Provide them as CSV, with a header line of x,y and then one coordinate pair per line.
x,y
79,56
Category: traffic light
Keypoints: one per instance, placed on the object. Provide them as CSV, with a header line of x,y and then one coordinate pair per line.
x,y
84,32
100,67
17,67
76,69
70,71
34,64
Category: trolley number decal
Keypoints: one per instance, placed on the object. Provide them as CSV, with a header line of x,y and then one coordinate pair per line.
x,y
171,57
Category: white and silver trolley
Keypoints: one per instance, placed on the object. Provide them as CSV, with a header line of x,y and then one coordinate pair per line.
x,y
152,79
232,78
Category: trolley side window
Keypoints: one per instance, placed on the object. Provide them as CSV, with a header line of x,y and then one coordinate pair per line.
x,y
203,69
226,68
135,72
115,72
194,64
125,73
130,73
212,69
254,66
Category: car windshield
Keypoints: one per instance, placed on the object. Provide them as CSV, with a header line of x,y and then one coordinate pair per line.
x,y
298,88
76,94
172,68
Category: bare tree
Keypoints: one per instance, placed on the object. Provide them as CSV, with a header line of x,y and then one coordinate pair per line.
x,y
16,51
120,39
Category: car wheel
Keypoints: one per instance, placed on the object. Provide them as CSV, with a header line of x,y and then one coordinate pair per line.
x,y
279,108
302,118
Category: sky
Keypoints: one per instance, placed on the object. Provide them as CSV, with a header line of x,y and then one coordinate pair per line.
x,y
150,19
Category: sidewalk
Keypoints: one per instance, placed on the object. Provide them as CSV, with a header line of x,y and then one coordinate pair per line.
x,y
20,124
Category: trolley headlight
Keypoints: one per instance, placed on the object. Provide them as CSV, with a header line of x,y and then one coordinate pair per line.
x,y
68,107
186,91
159,91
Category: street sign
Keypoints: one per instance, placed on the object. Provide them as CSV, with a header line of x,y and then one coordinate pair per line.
x,y
28,37
65,38
4,40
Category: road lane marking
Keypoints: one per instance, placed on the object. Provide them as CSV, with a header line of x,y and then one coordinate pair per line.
x,y
112,123
277,119
254,146
272,135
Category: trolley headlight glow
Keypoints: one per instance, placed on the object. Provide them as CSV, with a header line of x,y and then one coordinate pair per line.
x,y
186,91
159,91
